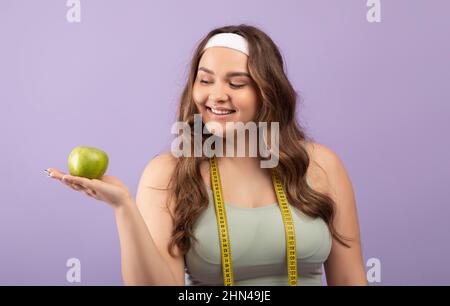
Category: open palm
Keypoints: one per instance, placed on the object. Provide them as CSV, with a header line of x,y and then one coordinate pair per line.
x,y
108,188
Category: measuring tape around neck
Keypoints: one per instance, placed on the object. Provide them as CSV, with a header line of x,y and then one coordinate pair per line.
x,y
225,245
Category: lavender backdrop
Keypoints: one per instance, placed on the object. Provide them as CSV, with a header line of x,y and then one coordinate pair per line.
x,y
375,93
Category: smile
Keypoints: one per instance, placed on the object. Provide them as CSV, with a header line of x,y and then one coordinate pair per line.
x,y
220,112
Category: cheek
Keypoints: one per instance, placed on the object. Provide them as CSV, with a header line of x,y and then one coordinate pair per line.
x,y
199,95
247,102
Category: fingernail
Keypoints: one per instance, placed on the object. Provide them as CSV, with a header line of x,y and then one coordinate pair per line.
x,y
48,173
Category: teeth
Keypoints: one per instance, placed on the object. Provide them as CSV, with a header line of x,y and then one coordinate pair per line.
x,y
220,112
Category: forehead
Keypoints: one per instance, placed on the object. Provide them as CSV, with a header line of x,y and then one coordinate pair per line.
x,y
222,60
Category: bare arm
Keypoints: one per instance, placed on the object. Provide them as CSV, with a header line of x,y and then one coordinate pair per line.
x,y
142,263
145,229
344,266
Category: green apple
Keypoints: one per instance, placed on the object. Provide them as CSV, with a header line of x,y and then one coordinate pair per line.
x,y
88,162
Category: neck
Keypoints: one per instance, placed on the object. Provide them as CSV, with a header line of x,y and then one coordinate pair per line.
x,y
239,159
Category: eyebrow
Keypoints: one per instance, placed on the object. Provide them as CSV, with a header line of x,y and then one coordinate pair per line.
x,y
229,74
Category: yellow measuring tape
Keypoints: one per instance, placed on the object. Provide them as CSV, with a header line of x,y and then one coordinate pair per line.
x,y
225,246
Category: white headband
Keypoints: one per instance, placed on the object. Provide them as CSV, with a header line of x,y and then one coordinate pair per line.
x,y
228,40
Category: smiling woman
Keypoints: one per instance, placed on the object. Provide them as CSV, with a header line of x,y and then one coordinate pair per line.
x,y
237,76
224,91
227,220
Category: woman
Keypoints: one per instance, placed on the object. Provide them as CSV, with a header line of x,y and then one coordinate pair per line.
x,y
236,75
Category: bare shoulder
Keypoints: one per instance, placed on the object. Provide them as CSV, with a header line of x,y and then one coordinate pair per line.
x,y
323,155
159,170
324,165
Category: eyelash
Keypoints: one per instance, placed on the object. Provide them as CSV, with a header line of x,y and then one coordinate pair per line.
x,y
232,85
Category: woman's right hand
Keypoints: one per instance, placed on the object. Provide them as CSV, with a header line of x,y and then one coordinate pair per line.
x,y
108,188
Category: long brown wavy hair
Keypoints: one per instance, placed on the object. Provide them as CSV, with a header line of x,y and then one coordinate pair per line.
x,y
278,104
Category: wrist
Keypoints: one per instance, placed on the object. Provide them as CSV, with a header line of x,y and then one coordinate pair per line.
x,y
125,205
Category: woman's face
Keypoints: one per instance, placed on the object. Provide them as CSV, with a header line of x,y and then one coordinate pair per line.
x,y
223,89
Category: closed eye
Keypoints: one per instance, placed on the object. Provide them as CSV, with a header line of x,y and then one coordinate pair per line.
x,y
237,85
231,84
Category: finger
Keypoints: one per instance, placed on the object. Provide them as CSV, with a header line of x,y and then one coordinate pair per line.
x,y
82,181
54,173
77,187
90,193
72,185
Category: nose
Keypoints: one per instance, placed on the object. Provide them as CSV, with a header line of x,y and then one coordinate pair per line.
x,y
218,94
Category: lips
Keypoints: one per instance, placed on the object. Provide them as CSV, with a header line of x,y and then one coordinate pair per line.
x,y
220,111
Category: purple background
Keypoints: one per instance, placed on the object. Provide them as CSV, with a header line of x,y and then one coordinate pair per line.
x,y
375,93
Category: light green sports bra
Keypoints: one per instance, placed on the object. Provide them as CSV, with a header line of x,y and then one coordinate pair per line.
x,y
258,247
